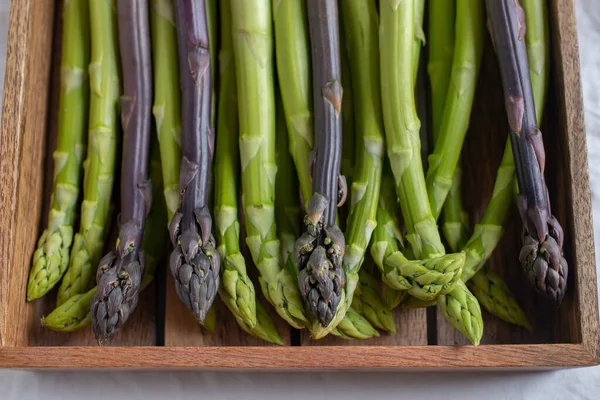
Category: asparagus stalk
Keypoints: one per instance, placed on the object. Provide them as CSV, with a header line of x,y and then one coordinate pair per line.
x,y
253,51
459,100
293,69
74,314
462,309
354,326
541,254
194,262
424,279
402,131
237,290
418,36
320,249
441,50
167,101
368,302
100,163
51,257
120,271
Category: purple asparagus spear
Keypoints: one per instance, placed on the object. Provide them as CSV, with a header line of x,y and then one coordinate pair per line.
x,y
194,262
120,271
541,254
320,250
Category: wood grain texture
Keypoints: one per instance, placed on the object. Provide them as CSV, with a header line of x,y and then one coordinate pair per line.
x,y
300,358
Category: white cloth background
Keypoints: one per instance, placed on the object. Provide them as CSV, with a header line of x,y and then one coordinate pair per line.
x,y
581,383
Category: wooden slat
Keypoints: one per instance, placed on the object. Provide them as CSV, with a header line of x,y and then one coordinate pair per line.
x,y
301,358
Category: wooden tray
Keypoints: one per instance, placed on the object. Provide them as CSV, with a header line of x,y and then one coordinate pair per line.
x,y
162,334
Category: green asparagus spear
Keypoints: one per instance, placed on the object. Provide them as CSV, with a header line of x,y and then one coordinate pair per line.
x,y
537,41
74,314
264,329
287,206
167,98
354,326
461,308
495,296
293,69
418,36
101,153
51,258
237,290
441,50
402,133
466,64
368,302
253,51
348,123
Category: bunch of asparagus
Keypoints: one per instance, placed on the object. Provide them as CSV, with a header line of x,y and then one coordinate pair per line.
x,y
317,132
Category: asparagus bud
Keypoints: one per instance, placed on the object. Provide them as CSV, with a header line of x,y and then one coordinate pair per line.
x,y
541,254
320,250
194,261
119,275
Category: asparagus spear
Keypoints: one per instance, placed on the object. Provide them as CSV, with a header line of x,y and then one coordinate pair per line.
x,y
354,326
320,249
167,101
237,290
253,51
418,36
120,271
541,254
368,302
293,69
459,100
461,308
441,50
100,163
74,314
51,257
424,279
194,262
402,131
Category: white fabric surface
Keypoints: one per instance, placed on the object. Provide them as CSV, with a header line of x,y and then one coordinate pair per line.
x,y
581,383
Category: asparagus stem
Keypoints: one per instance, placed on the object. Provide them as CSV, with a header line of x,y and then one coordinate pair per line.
x,y
360,30
167,101
461,308
418,36
100,163
354,326
402,132
321,248
459,100
490,290
541,254
293,69
348,121
237,290
120,272
442,15
194,262
253,50
74,314
537,42
368,302
424,279
51,257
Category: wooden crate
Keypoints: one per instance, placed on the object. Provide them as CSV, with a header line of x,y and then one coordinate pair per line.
x,y
562,337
